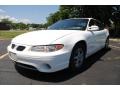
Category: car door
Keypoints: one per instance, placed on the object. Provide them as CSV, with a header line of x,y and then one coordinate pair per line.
x,y
101,34
98,35
91,40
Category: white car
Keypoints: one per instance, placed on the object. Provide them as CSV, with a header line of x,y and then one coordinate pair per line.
x,y
65,44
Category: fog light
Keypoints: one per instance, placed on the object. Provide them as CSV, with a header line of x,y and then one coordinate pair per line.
x,y
46,66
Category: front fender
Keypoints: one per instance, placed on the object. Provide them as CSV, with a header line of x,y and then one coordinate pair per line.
x,y
69,41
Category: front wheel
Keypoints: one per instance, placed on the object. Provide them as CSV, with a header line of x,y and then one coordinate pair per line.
x,y
77,57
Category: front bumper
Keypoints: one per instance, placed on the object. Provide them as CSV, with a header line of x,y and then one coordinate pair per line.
x,y
43,62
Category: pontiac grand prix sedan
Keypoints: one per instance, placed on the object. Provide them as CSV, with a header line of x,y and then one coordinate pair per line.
x,y
65,44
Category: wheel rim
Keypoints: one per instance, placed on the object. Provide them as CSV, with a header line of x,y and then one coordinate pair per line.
x,y
78,57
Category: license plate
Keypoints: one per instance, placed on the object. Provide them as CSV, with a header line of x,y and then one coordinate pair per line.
x,y
13,56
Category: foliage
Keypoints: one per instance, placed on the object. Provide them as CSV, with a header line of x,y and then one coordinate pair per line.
x,y
71,11
102,13
53,18
21,26
12,25
6,21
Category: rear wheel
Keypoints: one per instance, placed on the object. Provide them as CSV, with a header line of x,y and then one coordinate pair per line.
x,y
77,57
107,43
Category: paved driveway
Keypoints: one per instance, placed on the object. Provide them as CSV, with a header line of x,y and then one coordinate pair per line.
x,y
101,68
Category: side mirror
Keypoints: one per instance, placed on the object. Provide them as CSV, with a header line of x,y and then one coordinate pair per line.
x,y
93,28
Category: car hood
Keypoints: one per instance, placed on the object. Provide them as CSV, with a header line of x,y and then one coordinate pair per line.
x,y
42,37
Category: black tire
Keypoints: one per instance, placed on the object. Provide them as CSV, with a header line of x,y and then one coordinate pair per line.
x,y
107,44
77,57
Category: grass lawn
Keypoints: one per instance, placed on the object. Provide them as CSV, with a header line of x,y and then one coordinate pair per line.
x,y
11,34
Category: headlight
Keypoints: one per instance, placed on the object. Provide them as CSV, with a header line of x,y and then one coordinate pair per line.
x,y
47,48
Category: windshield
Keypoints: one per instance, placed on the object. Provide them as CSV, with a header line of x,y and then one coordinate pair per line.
x,y
70,24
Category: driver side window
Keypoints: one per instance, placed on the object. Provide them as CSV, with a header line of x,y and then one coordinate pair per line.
x,y
96,23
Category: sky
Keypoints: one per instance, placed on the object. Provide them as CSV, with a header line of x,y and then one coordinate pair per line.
x,y
27,13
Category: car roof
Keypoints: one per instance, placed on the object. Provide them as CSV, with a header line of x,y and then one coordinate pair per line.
x,y
79,18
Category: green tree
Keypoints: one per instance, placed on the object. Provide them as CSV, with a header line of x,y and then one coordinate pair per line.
x,y
116,18
102,13
71,11
7,22
20,26
53,18
12,25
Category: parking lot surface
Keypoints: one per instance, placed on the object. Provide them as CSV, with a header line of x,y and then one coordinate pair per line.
x,y
102,68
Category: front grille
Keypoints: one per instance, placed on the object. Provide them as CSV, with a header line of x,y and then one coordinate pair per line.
x,y
20,48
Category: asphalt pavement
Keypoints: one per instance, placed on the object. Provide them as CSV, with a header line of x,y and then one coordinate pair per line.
x,y
3,45
102,68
